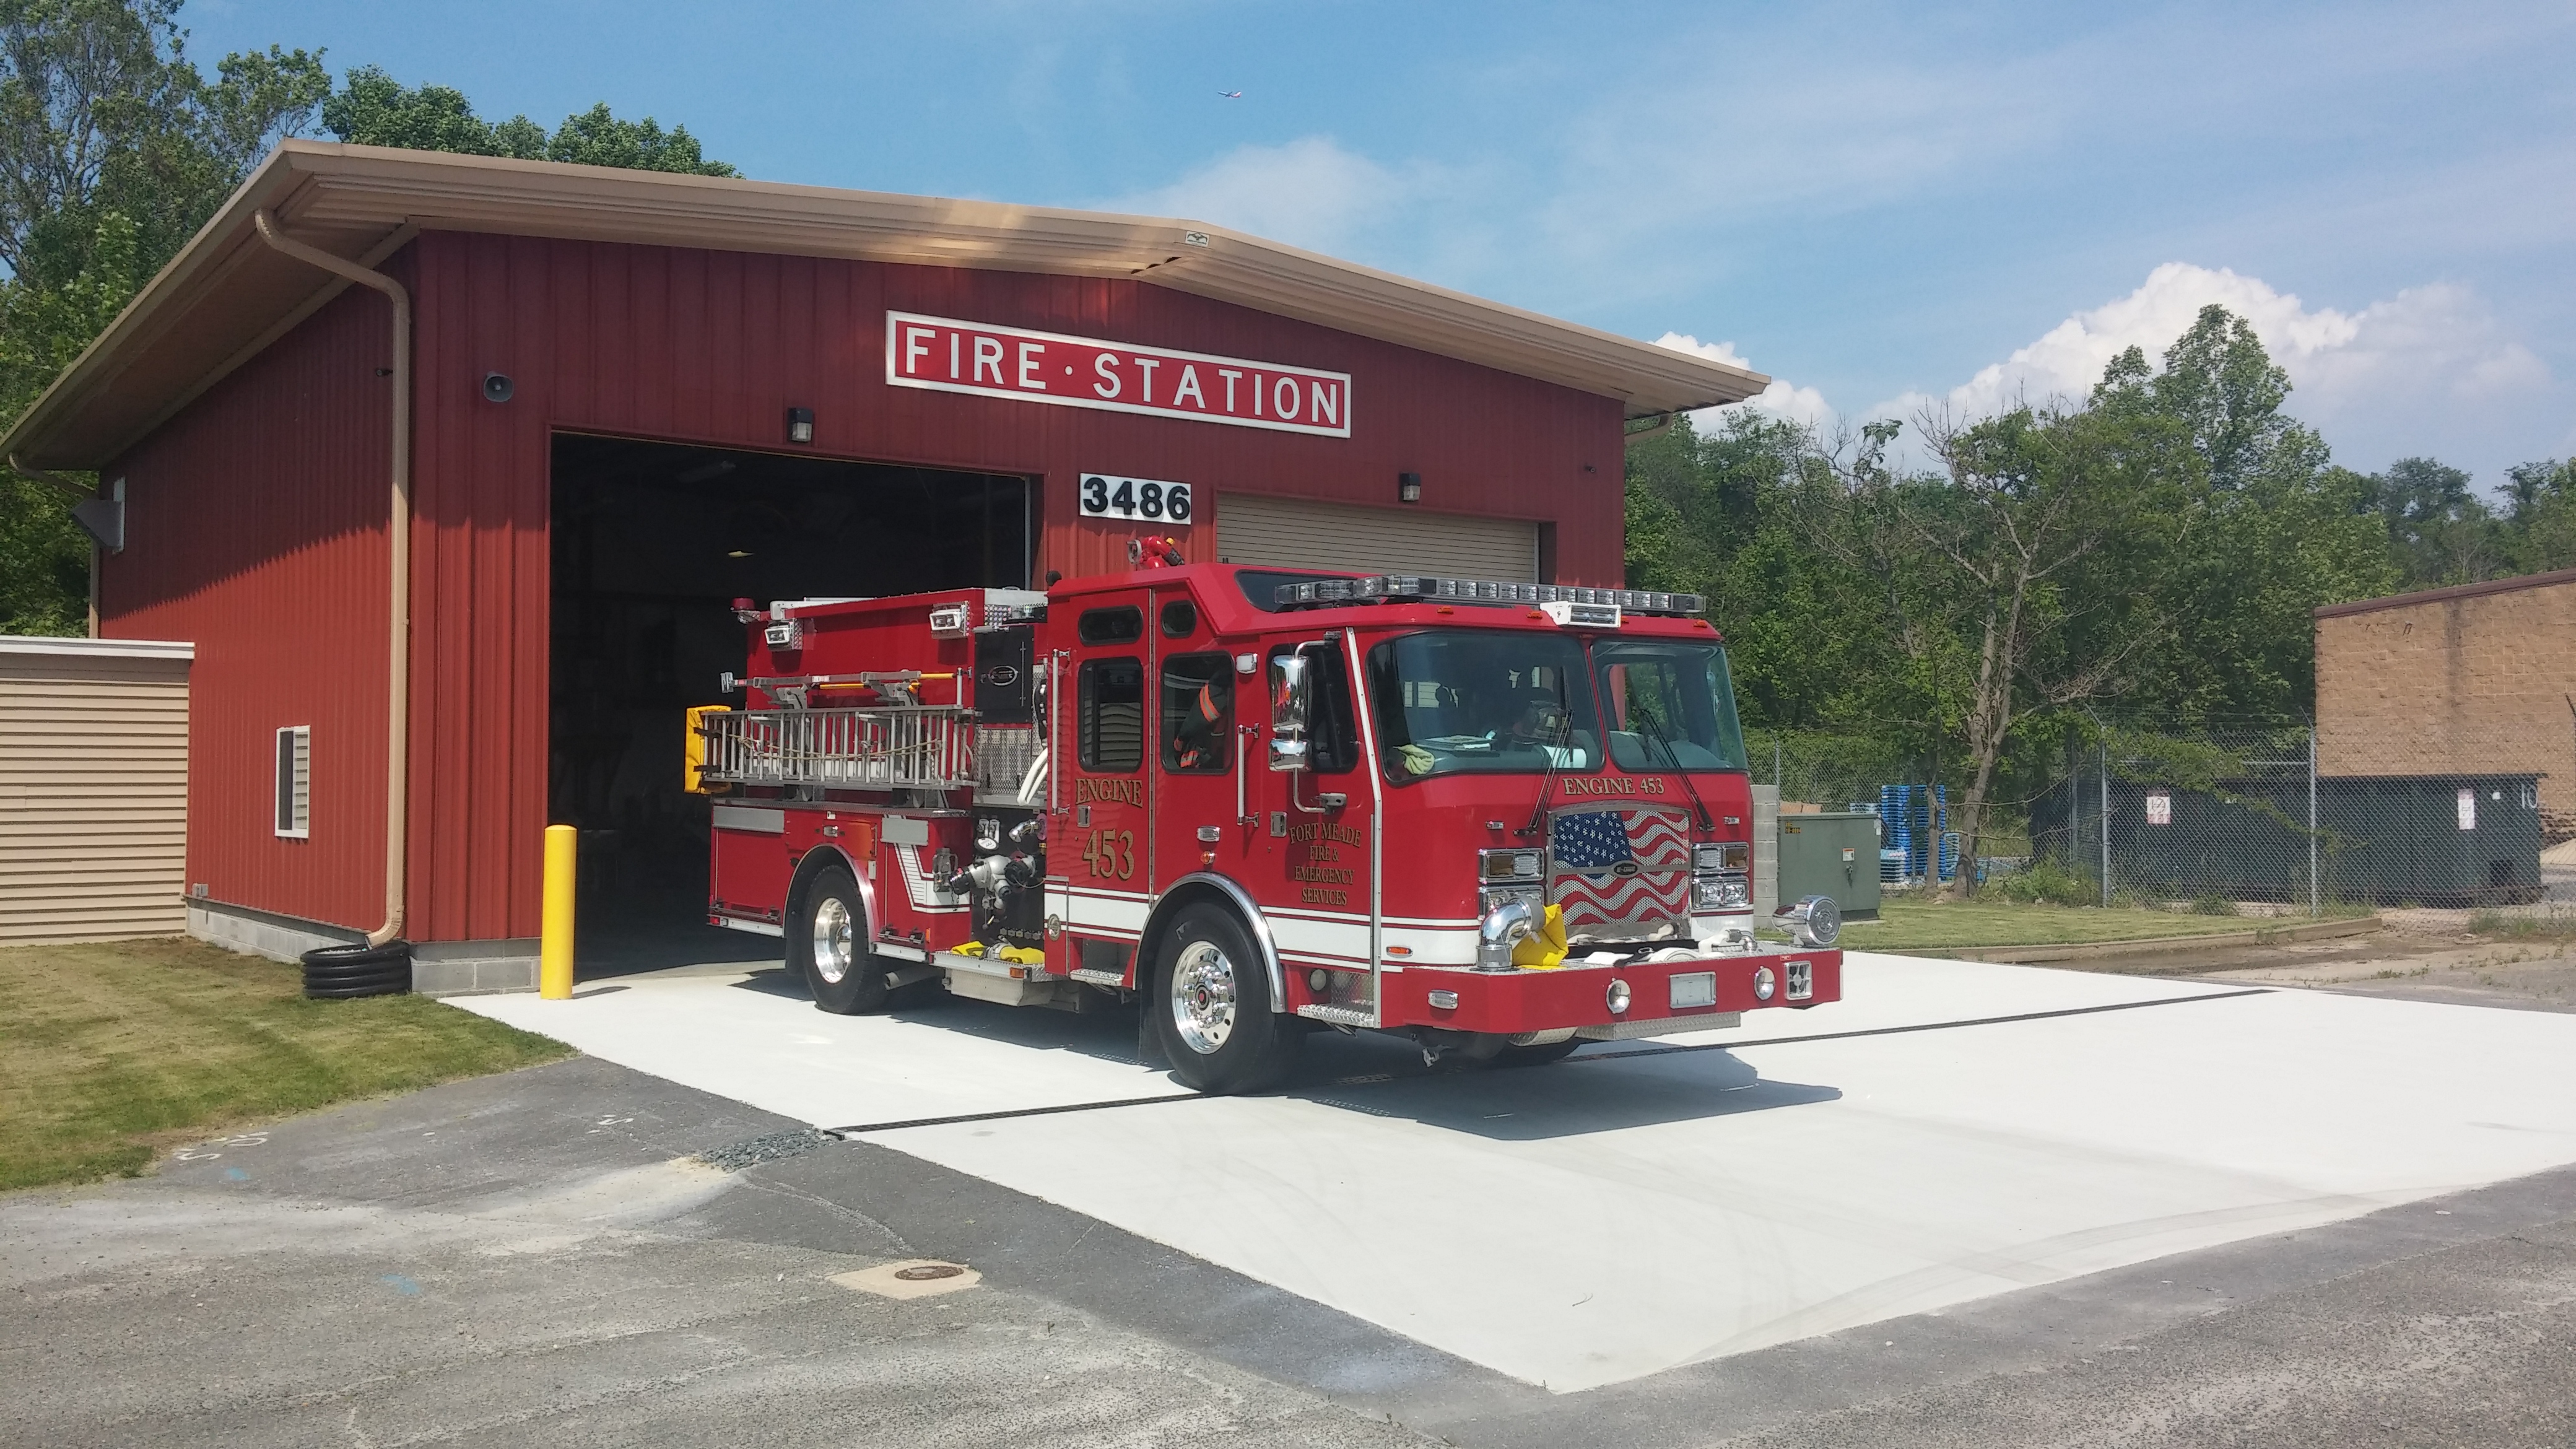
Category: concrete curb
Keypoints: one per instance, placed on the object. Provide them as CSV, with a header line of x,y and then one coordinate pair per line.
x,y
2157,946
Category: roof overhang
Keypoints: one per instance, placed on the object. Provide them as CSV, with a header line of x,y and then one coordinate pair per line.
x,y
2451,594
227,294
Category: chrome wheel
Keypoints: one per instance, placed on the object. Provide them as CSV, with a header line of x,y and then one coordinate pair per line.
x,y
833,947
1203,997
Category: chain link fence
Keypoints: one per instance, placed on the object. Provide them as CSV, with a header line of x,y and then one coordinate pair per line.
x,y
2265,818
2244,817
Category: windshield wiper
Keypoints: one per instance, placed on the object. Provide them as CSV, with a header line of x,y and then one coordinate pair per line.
x,y
1556,753
1645,720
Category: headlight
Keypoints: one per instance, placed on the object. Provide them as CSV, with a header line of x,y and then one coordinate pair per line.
x,y
1724,855
1720,893
1502,865
1617,998
1764,983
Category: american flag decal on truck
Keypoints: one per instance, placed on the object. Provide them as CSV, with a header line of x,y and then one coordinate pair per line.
x,y
1627,867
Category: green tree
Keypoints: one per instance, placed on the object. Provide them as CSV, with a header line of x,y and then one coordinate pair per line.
x,y
2438,530
114,149
2272,529
596,138
2155,549
371,108
2035,549
101,110
1722,513
44,557
2539,530
374,109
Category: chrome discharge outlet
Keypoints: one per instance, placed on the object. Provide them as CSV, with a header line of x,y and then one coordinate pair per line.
x,y
1504,927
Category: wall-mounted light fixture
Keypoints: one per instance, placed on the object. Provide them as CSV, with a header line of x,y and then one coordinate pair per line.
x,y
800,425
1408,487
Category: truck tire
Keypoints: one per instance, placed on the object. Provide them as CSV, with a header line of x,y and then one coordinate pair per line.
x,y
1537,1056
1210,1005
827,944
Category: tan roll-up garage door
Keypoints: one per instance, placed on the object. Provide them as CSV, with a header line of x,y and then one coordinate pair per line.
x,y
93,789
1288,533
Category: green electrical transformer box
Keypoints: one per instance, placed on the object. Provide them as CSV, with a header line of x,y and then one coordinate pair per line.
x,y
1834,853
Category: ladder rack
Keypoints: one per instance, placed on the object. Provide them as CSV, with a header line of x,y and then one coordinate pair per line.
x,y
927,748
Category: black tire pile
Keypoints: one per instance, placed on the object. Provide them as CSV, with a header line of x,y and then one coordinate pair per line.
x,y
337,973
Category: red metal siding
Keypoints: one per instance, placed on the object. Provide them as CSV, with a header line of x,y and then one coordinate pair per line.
x,y
714,347
255,527
259,511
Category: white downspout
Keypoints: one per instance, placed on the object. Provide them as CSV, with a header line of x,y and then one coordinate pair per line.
x,y
398,570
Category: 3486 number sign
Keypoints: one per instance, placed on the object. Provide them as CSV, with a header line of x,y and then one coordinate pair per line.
x,y
1143,500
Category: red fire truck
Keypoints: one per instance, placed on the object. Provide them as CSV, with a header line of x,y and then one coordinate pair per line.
x,y
1500,818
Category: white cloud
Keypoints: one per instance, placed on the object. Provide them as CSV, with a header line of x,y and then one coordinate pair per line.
x,y
2406,374
1781,399
2068,359
1309,192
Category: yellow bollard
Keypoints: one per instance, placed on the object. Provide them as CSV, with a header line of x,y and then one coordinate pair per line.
x,y
554,952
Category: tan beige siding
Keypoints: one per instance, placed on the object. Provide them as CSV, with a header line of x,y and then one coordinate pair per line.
x,y
93,791
1293,533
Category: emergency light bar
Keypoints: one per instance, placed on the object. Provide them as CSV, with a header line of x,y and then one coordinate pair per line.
x,y
1393,588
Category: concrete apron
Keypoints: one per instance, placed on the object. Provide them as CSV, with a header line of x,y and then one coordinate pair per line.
x,y
1954,1131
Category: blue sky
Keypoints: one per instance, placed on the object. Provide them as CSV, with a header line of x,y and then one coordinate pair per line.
x,y
1883,206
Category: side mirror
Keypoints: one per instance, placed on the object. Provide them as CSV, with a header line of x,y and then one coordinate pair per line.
x,y
1291,709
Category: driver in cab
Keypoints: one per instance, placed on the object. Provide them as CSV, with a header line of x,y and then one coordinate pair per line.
x,y
1539,726
1522,724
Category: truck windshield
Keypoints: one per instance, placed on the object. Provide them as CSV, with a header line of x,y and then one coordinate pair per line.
x,y
1449,701
1671,705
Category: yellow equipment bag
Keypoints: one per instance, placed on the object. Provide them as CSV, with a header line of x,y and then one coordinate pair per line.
x,y
1544,948
693,748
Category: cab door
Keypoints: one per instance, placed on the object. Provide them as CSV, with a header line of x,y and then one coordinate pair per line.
x,y
1100,841
1313,873
1201,782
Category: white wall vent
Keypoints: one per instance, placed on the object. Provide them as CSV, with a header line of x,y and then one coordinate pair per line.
x,y
295,782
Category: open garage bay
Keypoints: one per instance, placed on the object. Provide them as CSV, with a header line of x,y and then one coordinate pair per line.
x,y
1952,1132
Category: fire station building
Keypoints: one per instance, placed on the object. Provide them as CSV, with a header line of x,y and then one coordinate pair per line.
x,y
449,469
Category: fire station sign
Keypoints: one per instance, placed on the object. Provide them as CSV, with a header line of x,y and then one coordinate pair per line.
x,y
944,354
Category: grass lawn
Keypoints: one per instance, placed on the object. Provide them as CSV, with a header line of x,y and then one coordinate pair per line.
x,y
1911,925
111,1052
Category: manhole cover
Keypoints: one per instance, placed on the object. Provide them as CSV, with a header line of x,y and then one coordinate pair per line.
x,y
911,1278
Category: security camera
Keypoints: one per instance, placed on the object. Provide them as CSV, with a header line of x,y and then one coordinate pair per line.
x,y
496,387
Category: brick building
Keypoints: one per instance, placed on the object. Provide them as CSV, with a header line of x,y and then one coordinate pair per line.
x,y
2477,679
